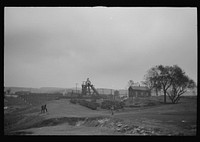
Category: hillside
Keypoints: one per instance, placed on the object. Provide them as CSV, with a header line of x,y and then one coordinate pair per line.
x,y
65,118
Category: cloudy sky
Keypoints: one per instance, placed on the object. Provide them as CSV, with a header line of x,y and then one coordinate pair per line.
x,y
58,47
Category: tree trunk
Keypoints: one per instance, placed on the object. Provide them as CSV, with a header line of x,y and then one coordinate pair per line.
x,y
165,96
156,92
173,101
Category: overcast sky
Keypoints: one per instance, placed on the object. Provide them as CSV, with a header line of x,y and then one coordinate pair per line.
x,y
58,47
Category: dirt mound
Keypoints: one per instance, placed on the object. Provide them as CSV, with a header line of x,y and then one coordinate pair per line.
x,y
120,126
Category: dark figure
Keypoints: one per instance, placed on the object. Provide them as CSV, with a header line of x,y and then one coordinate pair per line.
x,y
112,110
44,108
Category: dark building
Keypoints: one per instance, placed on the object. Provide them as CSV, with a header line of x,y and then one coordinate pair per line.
x,y
139,91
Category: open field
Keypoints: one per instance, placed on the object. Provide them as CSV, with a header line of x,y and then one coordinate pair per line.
x,y
65,118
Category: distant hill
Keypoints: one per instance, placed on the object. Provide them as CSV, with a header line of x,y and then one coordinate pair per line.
x,y
105,91
35,90
15,89
50,90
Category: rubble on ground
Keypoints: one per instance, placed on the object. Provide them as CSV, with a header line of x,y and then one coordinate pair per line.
x,y
120,126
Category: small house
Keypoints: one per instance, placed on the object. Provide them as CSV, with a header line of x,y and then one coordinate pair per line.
x,y
139,91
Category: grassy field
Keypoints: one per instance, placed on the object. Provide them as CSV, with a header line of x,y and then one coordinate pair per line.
x,y
141,116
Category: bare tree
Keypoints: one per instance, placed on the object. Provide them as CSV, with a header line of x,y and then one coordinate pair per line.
x,y
164,79
158,77
170,79
152,80
180,84
130,83
8,91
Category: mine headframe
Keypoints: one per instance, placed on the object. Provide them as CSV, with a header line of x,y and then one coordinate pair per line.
x,y
88,89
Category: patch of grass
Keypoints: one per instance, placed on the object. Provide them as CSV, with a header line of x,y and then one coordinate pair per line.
x,y
21,122
10,120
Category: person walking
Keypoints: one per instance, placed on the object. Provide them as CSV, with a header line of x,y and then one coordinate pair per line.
x,y
45,108
112,110
42,109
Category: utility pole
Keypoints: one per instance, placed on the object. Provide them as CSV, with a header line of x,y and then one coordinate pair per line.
x,y
76,87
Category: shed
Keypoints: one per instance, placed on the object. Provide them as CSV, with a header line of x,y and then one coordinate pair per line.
x,y
139,91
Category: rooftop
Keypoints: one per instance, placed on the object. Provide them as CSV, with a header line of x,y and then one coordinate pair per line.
x,y
139,88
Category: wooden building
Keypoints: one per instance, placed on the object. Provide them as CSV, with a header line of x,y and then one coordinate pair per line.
x,y
139,91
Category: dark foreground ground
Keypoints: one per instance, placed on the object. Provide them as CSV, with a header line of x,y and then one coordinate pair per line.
x,y
64,118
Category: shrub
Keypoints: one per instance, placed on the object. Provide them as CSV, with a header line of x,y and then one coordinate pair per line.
x,y
118,105
150,103
73,101
91,105
107,104
82,102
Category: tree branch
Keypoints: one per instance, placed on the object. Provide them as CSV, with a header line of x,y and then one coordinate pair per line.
x,y
179,95
169,96
169,85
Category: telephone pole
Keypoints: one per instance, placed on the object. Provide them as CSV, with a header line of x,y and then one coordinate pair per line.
x,y
76,87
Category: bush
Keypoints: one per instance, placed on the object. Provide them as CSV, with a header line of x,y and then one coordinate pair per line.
x,y
82,102
121,104
118,105
150,104
91,105
107,104
73,101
